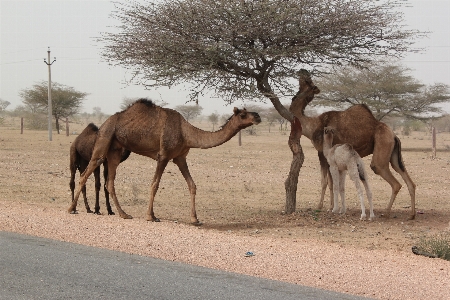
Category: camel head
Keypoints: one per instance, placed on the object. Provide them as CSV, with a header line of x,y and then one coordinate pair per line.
x,y
307,90
242,118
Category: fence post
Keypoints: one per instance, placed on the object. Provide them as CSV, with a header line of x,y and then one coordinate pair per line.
x,y
433,133
67,126
21,125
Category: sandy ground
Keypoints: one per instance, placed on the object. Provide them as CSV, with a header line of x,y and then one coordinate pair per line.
x,y
240,197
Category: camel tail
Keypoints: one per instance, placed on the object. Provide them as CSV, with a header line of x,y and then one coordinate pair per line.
x,y
361,172
398,148
74,158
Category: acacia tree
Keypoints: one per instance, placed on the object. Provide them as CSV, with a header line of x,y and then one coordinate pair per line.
x,y
250,49
4,104
66,101
214,119
189,112
387,89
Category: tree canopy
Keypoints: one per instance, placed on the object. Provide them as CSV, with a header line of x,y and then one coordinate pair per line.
x,y
387,89
4,104
66,101
250,49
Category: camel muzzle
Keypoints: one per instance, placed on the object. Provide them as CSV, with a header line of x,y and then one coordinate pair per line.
x,y
257,118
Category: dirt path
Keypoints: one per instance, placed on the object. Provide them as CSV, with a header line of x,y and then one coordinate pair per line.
x,y
377,273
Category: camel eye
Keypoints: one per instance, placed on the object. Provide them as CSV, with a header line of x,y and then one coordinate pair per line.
x,y
243,116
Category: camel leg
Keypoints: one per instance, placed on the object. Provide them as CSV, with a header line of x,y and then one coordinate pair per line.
x,y
342,176
396,159
82,184
326,180
182,165
160,166
72,188
335,175
386,174
97,191
83,166
105,176
98,157
354,176
369,198
86,203
113,161
72,180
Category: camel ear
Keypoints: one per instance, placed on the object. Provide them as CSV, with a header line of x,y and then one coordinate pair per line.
x,y
236,110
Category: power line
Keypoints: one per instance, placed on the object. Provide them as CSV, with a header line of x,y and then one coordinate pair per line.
x,y
18,62
66,59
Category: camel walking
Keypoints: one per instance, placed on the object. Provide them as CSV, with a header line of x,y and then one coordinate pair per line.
x,y
358,127
162,134
342,158
80,155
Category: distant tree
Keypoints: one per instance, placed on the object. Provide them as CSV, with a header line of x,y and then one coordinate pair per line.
x,y
66,101
386,89
213,119
97,112
273,116
4,104
443,123
189,112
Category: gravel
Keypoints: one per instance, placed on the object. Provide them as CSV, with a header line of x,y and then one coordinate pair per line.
x,y
378,273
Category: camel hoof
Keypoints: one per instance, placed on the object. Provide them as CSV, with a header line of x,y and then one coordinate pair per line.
x,y
73,212
197,223
156,220
89,211
111,213
125,216
412,217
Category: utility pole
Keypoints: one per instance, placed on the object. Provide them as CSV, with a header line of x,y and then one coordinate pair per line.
x,y
48,63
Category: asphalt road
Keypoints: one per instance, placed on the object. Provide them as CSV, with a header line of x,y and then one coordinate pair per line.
x,y
38,268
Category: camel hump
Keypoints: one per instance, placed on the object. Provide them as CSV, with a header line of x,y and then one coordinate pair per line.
x,y
91,127
146,101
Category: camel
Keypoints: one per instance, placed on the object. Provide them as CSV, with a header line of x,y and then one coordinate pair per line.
x,y
80,155
342,158
358,127
159,133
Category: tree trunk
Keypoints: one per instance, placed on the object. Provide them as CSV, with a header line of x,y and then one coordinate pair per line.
x,y
294,143
57,124
297,161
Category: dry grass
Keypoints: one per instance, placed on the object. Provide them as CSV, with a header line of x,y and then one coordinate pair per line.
x,y
241,189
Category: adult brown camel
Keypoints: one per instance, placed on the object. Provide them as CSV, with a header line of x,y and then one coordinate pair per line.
x,y
358,127
80,155
162,134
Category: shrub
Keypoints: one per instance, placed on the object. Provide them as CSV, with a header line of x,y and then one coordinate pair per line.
x,y
437,245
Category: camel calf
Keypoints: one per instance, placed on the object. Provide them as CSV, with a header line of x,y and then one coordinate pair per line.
x,y
343,158
80,155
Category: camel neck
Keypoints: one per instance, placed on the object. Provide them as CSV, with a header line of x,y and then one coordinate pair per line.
x,y
198,138
309,124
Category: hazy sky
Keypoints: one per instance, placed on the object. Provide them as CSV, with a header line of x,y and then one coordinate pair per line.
x,y
69,28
